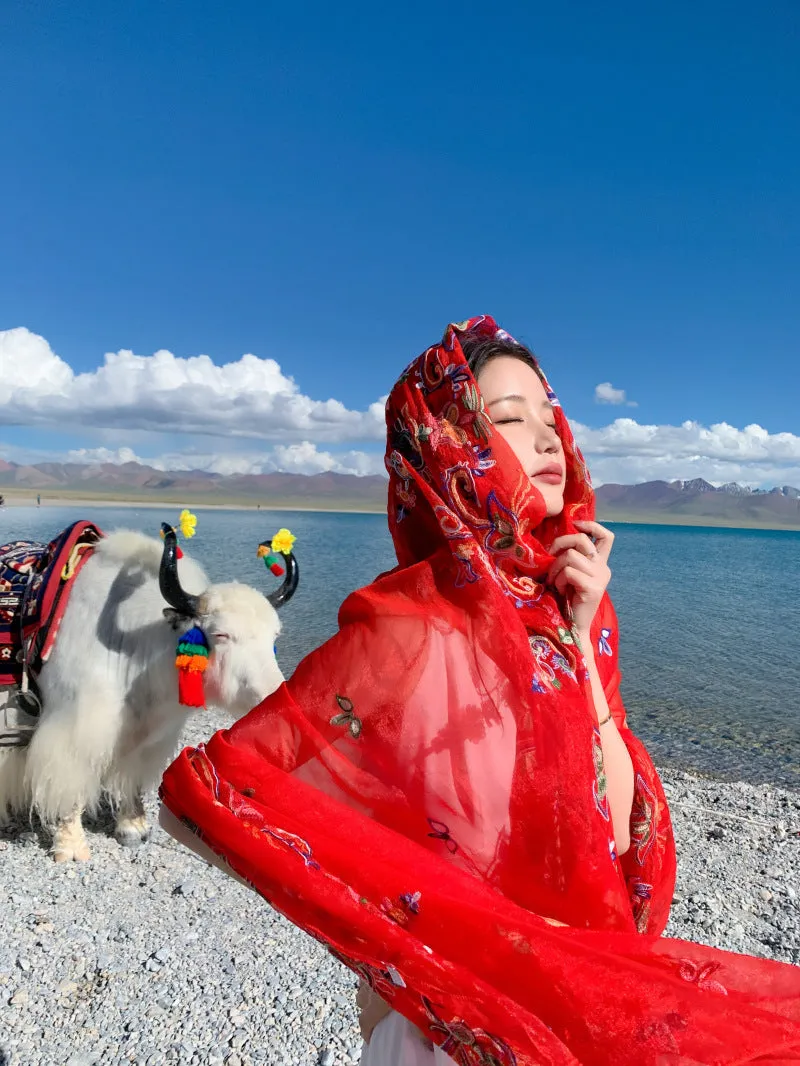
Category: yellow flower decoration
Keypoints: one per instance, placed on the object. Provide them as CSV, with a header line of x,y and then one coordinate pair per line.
x,y
283,541
188,523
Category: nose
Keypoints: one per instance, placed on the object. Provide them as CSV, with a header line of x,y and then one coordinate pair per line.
x,y
546,439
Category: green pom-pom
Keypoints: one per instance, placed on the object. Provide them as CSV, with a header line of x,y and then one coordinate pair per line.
x,y
184,648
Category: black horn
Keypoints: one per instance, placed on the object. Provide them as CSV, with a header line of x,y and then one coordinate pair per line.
x,y
168,581
288,588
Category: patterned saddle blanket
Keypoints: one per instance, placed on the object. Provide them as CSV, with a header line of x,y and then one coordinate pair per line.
x,y
35,582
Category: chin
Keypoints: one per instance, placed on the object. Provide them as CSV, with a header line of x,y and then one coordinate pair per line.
x,y
554,502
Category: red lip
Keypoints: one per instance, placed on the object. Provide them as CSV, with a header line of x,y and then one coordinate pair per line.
x,y
552,474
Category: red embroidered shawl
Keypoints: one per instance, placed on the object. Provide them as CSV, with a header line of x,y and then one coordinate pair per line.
x,y
426,794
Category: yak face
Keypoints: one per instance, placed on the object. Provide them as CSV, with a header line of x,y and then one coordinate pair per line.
x,y
242,627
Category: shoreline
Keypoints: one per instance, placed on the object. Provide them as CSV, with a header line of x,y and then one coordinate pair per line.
x,y
15,498
150,503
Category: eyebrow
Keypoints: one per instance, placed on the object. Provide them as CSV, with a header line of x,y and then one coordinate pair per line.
x,y
519,399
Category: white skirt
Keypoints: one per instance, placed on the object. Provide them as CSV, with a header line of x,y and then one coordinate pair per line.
x,y
396,1042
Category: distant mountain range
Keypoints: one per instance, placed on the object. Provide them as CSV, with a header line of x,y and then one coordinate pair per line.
x,y
697,501
682,502
136,481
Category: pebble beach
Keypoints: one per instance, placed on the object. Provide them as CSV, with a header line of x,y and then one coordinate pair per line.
x,y
150,956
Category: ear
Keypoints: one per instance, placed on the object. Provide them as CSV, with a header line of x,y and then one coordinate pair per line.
x,y
175,618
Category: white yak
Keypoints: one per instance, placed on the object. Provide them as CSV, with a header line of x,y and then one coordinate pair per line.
x,y
110,717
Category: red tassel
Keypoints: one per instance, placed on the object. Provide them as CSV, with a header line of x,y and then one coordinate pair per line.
x,y
190,688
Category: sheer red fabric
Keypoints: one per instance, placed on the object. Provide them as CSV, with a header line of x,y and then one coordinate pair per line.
x,y
426,795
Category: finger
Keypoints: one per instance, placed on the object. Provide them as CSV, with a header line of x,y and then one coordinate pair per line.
x,y
572,558
603,538
580,541
577,580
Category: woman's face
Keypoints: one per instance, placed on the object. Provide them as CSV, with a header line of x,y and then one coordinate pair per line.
x,y
517,404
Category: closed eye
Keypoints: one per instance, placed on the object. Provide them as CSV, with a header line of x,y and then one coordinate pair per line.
x,y
506,421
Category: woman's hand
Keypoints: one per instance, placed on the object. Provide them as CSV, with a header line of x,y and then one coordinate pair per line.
x,y
371,1010
581,571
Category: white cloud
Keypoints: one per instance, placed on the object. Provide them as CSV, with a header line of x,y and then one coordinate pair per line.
x,y
250,397
623,451
301,458
606,393
148,401
117,456
626,451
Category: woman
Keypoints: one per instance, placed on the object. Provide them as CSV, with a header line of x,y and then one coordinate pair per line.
x,y
446,792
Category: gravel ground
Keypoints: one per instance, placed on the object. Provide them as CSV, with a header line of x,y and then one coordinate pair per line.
x,y
151,957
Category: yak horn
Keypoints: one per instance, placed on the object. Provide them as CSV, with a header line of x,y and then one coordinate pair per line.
x,y
180,600
288,588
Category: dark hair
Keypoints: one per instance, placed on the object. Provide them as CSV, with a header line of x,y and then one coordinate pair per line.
x,y
478,351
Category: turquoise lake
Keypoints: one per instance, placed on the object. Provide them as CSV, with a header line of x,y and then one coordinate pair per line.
x,y
709,619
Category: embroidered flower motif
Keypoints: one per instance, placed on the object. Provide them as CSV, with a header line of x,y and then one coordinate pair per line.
x,y
348,717
483,460
401,912
410,900
600,787
294,843
441,832
603,647
702,976
251,817
640,895
383,980
550,662
479,420
467,1046
643,822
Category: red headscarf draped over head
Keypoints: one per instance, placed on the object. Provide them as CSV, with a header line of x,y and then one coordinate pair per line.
x,y
441,446
426,795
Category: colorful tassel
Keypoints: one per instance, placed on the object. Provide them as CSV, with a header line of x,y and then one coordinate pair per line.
x,y
191,662
270,561
282,544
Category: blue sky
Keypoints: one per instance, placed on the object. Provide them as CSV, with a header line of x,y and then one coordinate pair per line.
x,y
325,187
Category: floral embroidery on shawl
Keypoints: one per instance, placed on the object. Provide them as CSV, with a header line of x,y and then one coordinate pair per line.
x,y
640,895
702,976
441,832
549,664
468,1047
381,979
603,646
406,907
643,819
601,780
348,717
236,802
